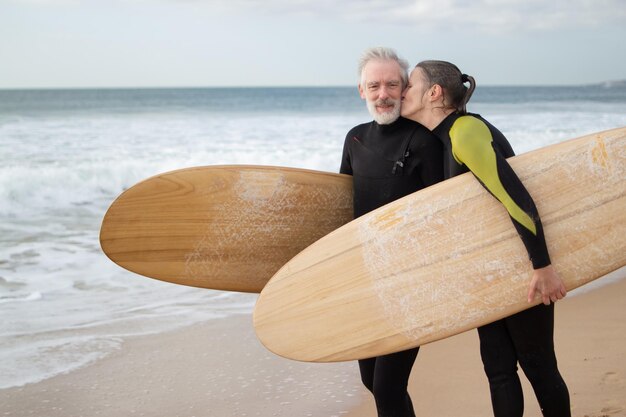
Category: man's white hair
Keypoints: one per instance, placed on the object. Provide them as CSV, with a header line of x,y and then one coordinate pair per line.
x,y
381,53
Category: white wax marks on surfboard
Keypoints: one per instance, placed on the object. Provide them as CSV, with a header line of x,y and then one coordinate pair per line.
x,y
250,203
260,189
277,214
385,236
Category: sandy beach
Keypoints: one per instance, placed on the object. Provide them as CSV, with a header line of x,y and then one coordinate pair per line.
x,y
219,369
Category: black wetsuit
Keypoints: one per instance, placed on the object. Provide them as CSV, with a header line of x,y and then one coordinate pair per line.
x,y
388,162
472,144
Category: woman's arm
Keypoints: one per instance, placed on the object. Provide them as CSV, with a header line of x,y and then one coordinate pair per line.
x,y
472,145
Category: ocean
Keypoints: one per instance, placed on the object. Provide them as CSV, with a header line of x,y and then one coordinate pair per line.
x,y
65,155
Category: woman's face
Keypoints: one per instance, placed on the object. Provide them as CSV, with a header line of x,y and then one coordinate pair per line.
x,y
414,97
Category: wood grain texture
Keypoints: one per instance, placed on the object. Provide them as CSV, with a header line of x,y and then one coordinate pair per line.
x,y
447,259
223,227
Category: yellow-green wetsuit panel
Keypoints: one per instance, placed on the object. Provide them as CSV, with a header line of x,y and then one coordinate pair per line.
x,y
473,144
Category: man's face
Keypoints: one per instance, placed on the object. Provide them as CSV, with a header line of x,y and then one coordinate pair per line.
x,y
381,88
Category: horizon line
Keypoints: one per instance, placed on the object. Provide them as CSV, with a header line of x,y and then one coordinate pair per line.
x,y
608,83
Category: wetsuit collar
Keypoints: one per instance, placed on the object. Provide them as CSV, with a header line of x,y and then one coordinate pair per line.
x,y
401,121
446,124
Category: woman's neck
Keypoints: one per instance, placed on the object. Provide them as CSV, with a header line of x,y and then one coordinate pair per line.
x,y
435,116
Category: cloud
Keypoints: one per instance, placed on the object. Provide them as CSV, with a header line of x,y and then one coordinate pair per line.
x,y
524,15
494,16
486,15
42,2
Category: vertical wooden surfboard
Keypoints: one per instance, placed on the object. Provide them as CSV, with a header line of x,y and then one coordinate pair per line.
x,y
223,227
447,258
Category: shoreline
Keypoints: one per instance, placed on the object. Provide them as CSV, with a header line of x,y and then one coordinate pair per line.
x,y
218,368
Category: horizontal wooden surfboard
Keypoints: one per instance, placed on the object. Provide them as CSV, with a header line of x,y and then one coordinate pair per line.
x,y
223,227
447,258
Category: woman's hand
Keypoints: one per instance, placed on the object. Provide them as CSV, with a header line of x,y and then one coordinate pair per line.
x,y
548,283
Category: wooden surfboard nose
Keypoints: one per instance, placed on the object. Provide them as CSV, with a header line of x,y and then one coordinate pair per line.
x,y
223,227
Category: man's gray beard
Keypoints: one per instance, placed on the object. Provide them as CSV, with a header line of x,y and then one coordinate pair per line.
x,y
387,117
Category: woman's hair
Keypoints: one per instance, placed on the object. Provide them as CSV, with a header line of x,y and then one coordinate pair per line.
x,y
384,54
452,81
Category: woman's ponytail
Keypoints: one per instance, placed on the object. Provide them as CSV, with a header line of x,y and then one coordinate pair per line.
x,y
462,108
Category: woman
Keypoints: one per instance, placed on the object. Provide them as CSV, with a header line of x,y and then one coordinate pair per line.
x,y
436,97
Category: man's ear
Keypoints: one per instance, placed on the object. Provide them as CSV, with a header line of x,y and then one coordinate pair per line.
x,y
361,91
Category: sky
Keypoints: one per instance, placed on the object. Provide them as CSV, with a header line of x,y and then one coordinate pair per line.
x,y
225,43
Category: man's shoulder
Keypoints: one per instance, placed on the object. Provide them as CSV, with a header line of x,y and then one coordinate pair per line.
x,y
360,128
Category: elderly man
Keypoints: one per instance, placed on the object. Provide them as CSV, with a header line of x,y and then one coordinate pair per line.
x,y
389,157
